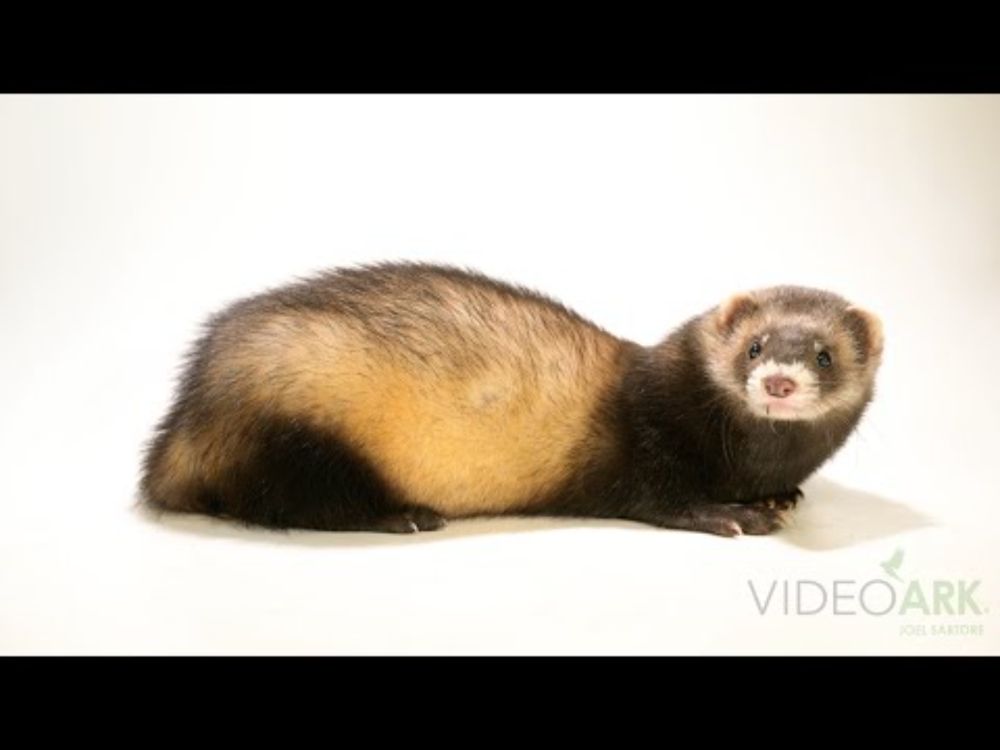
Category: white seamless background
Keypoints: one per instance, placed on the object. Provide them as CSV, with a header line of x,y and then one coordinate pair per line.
x,y
125,220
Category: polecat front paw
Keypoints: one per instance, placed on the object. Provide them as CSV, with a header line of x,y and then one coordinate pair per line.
x,y
781,501
758,519
725,519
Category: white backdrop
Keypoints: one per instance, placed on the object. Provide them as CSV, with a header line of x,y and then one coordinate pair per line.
x,y
125,220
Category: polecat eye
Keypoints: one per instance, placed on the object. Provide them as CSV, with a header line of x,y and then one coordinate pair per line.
x,y
754,350
823,359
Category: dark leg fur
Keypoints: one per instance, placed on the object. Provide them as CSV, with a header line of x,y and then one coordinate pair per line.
x,y
299,477
635,503
717,518
763,516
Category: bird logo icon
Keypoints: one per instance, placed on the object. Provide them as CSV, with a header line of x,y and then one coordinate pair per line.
x,y
891,565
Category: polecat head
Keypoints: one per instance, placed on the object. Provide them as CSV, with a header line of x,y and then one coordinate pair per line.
x,y
791,353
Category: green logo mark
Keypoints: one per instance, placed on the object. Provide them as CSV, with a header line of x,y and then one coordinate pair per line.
x,y
891,565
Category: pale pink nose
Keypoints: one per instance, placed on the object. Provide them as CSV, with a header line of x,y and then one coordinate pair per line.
x,y
779,386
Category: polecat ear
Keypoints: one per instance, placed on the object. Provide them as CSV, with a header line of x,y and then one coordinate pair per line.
x,y
733,310
866,328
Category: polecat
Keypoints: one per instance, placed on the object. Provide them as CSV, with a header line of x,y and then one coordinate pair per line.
x,y
396,396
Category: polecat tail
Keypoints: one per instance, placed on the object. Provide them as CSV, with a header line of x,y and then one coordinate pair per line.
x,y
173,477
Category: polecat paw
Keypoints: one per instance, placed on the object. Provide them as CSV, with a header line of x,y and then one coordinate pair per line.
x,y
730,520
761,519
428,520
411,521
784,501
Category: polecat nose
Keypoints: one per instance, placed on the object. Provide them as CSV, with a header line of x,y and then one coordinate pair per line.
x,y
779,386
